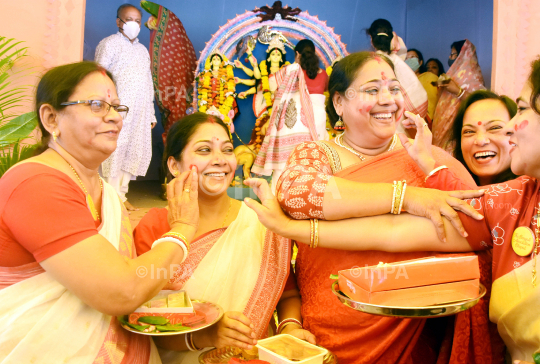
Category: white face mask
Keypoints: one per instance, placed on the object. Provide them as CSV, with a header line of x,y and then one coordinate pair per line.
x,y
131,29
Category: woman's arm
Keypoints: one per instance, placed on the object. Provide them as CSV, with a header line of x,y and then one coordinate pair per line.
x,y
246,70
391,233
289,307
105,280
249,82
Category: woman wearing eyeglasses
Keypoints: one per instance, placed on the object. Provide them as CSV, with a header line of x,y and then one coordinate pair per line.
x,y
67,261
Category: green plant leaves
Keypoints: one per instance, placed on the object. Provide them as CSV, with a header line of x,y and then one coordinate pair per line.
x,y
10,156
17,128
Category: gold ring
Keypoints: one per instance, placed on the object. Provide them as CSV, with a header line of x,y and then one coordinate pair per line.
x,y
186,190
425,124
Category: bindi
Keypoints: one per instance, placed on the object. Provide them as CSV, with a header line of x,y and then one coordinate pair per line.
x,y
479,123
383,76
108,93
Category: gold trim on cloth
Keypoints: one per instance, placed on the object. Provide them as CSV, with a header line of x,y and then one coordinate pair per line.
x,y
332,156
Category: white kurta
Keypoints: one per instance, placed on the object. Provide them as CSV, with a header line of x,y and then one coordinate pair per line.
x,y
130,65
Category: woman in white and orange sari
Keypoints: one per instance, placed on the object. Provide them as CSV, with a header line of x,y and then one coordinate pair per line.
x,y
234,260
67,261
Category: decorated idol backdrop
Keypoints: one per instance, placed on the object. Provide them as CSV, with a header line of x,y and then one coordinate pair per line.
x,y
241,54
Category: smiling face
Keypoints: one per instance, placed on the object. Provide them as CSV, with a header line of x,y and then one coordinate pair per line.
x,y
525,140
212,152
484,144
372,105
433,67
84,134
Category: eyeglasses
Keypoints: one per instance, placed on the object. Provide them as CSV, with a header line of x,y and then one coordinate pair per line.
x,y
453,54
100,107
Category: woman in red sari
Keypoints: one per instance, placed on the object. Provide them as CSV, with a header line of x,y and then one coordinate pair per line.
x,y
321,181
506,207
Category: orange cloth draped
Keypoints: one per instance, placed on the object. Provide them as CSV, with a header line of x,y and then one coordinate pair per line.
x,y
467,74
353,336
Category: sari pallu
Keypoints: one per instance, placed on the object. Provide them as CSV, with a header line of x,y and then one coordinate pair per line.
x,y
353,336
173,66
242,268
291,122
467,74
43,322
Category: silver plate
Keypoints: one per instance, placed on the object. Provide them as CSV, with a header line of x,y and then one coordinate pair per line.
x,y
215,310
410,312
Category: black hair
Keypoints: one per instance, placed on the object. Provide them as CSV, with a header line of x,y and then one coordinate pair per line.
x,y
281,63
439,63
381,33
181,132
343,75
422,68
534,80
125,6
455,135
308,59
457,46
57,85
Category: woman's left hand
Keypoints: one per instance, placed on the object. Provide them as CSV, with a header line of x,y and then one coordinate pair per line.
x,y
269,212
451,87
420,150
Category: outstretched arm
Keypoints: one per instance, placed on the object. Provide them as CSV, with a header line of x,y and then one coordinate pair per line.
x,y
391,233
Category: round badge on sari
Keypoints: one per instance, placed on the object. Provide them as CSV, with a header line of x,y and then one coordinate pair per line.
x,y
523,241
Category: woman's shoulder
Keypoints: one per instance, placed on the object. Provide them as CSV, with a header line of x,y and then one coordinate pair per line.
x,y
32,171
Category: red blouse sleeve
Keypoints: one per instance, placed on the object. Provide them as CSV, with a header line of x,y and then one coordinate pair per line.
x,y
455,177
150,228
46,214
302,184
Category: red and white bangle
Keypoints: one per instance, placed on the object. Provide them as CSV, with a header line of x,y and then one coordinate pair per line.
x,y
434,171
176,238
286,322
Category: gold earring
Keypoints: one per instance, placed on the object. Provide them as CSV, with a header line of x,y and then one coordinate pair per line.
x,y
175,173
339,125
54,135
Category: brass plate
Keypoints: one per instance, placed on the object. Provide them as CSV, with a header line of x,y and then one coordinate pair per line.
x,y
408,312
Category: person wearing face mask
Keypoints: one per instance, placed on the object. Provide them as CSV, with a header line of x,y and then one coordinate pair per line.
x,y
463,78
129,61
415,60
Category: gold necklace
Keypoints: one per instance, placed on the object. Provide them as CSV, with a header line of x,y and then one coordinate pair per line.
x,y
339,142
535,252
226,216
89,201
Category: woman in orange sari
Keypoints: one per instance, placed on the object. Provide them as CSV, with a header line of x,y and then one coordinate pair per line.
x,y
321,181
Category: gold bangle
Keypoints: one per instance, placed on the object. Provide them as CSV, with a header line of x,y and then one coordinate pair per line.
x,y
434,171
177,235
316,239
395,205
393,197
402,197
311,234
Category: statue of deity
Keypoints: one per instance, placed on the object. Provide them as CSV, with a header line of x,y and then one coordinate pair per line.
x,y
263,90
216,88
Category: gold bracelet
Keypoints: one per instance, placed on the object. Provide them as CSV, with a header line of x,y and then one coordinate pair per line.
x,y
311,233
393,197
316,239
397,199
402,196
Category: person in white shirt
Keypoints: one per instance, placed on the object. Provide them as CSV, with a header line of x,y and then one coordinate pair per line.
x,y
129,61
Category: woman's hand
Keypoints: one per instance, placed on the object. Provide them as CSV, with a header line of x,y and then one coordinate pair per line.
x,y
238,64
434,204
300,333
234,329
420,150
269,212
242,95
182,194
451,87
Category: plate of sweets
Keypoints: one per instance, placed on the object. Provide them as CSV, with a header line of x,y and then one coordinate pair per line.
x,y
279,349
171,313
418,288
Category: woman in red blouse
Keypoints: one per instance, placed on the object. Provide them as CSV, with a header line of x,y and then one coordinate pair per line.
x,y
67,261
506,207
